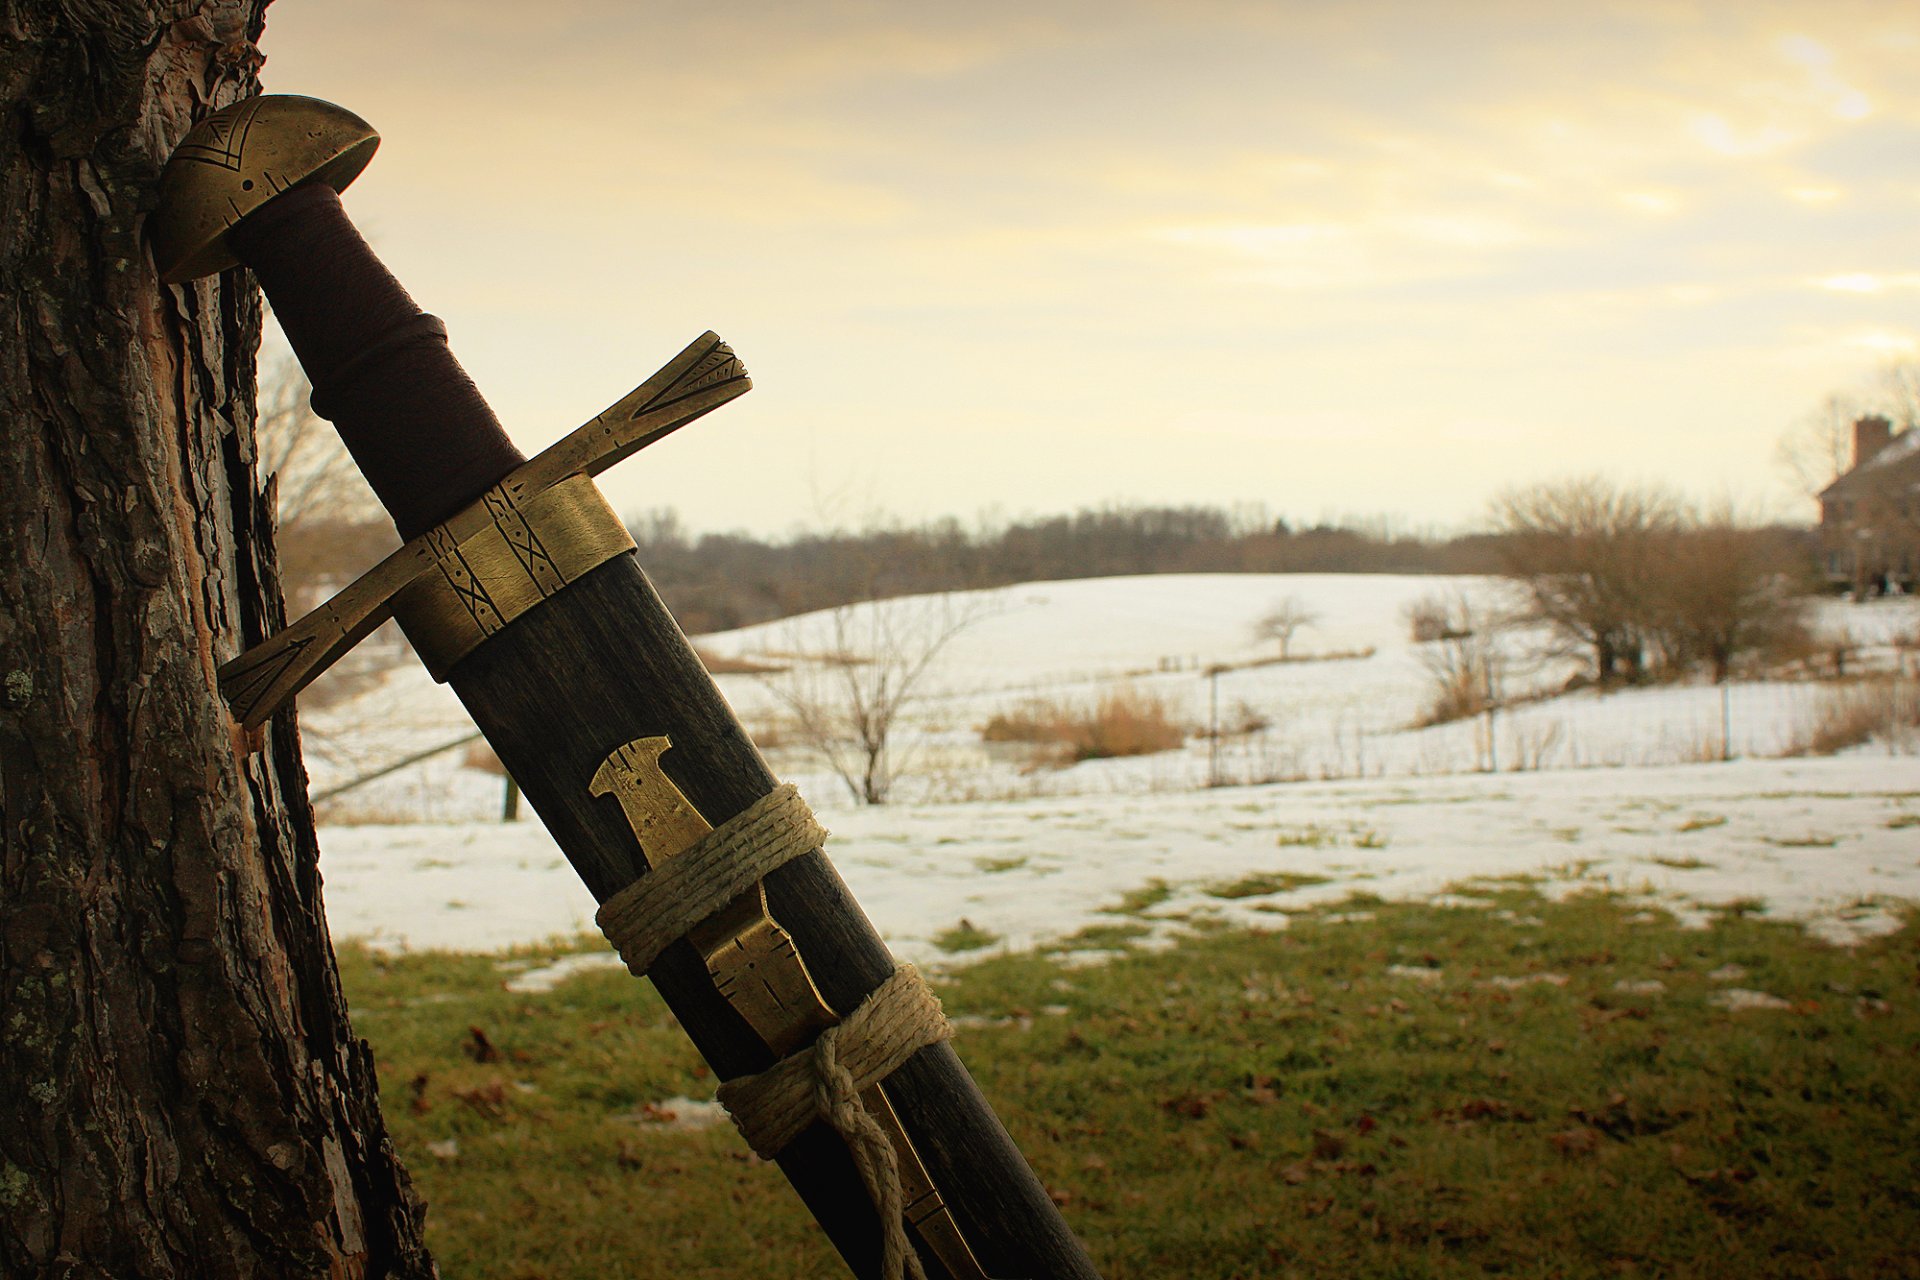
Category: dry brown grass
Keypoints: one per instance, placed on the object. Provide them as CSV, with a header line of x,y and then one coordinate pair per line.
x,y
1124,722
1857,711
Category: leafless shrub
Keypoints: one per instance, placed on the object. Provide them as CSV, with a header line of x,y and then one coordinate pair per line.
x,y
1465,664
1530,746
847,690
330,527
1431,618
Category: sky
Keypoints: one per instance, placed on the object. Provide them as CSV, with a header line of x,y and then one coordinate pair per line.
x,y
992,260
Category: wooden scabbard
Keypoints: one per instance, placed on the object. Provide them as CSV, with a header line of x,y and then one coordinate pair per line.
x,y
603,663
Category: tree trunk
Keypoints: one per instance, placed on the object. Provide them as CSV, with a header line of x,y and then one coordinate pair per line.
x,y
180,1095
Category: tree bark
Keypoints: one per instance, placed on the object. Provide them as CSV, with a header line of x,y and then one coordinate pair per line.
x,y
180,1094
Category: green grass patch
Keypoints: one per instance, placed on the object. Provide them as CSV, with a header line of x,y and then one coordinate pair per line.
x,y
1244,1104
1681,863
993,866
965,936
1262,883
1105,937
1142,900
1706,823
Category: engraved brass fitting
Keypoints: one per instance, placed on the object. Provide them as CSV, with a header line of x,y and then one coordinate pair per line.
x,y
239,158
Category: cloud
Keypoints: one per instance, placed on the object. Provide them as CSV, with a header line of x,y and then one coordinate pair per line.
x,y
1523,212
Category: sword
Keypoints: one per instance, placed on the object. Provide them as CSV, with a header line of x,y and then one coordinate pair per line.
x,y
518,587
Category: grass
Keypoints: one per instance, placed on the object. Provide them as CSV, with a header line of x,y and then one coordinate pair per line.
x,y
1123,721
964,936
1261,883
1853,712
1245,1104
1139,901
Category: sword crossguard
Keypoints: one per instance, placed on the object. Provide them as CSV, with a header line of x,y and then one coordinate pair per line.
x,y
537,529
699,380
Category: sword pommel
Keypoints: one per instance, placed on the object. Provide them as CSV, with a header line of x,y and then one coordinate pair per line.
x,y
239,158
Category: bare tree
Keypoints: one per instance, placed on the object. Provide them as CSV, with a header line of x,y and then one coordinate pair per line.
x,y
180,1091
1282,621
329,526
849,685
1725,588
1586,551
1819,445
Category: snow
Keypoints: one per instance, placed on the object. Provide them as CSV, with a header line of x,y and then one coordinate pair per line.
x,y
1819,840
1341,795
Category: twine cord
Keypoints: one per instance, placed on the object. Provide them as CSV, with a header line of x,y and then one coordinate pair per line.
x,y
824,1081
657,910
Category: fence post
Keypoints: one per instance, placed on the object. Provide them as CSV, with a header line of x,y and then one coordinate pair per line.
x,y
1493,729
1213,725
510,804
1726,720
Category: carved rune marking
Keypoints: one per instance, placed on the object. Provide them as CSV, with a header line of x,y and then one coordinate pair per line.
x,y
462,580
527,548
248,684
716,365
225,142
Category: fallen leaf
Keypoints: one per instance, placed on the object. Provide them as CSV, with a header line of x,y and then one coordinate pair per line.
x,y
487,1099
1194,1106
479,1048
1575,1142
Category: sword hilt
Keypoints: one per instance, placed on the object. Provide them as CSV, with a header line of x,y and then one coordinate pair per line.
x,y
258,183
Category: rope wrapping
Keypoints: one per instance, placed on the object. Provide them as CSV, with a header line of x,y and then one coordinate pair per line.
x,y
658,909
824,1082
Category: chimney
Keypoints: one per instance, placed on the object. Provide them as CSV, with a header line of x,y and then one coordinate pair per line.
x,y
1870,436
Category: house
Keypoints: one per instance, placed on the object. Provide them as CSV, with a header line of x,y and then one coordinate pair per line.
x,y
1870,514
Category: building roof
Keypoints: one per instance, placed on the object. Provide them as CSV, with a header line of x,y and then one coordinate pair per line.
x,y
1897,464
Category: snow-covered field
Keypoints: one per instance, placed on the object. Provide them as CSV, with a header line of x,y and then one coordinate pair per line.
x,y
1336,788
1831,841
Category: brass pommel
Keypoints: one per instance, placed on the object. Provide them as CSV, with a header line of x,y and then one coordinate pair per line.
x,y
239,158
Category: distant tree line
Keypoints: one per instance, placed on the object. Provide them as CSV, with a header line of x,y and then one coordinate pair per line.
x,y
718,581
